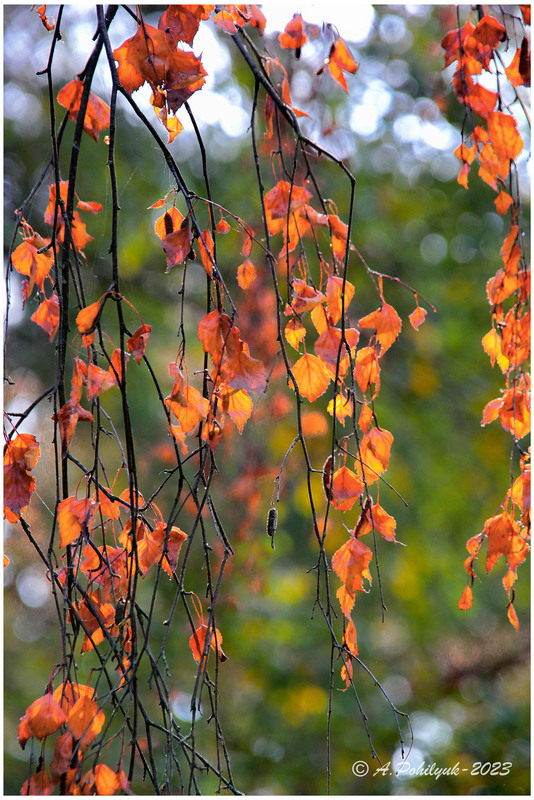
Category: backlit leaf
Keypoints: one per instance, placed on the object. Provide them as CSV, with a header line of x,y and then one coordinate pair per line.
x,y
137,343
346,489
97,113
47,316
350,563
198,640
243,372
311,377
246,273
417,317
74,517
340,60
177,246
386,323
293,36
42,718
85,720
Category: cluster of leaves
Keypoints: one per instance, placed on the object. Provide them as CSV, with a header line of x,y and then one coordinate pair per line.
x,y
496,145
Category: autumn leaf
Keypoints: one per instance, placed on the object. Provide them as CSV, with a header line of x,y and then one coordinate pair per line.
x,y
85,720
387,325
42,718
505,139
376,518
68,417
278,205
177,246
246,273
305,297
170,221
28,261
142,58
346,489
198,640
293,36
87,316
335,288
184,75
217,335
374,452
74,517
466,600
243,372
182,21
61,762
188,406
20,457
417,317
207,253
350,563
237,404
97,113
367,369
311,376
294,332
47,315
340,60
137,343
172,543
49,27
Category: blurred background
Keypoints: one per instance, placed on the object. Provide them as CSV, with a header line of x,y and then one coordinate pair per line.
x,y
462,676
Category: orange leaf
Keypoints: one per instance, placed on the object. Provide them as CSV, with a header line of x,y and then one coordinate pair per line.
x,y
107,782
168,222
350,563
346,488
311,376
217,335
87,316
295,332
188,406
339,59
243,372
466,600
505,139
349,637
20,457
512,616
97,113
375,450
329,348
417,317
293,36
142,58
28,261
99,381
198,640
74,517
304,297
375,517
207,254
386,323
177,246
222,226
61,763
49,27
367,369
174,542
47,316
334,292
237,404
246,273
137,343
184,75
182,21
85,720
42,718
277,205
39,784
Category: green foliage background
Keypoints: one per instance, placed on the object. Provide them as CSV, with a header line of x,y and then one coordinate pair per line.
x,y
462,676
